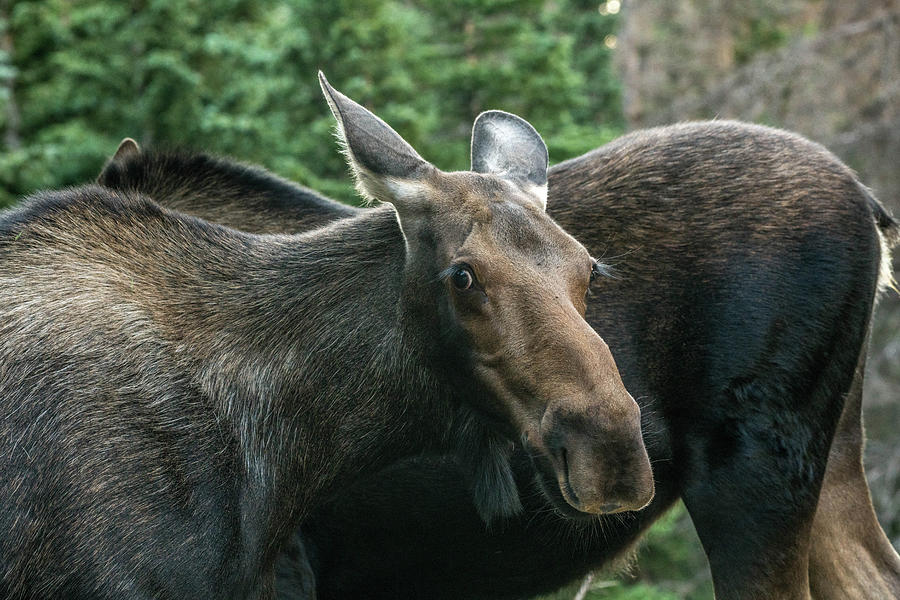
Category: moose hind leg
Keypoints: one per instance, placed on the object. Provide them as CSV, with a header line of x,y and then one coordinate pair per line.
x,y
850,555
755,462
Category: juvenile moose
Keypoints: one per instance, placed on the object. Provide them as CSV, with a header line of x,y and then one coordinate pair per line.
x,y
177,396
747,263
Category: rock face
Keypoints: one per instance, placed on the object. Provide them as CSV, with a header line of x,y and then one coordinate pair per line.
x,y
829,69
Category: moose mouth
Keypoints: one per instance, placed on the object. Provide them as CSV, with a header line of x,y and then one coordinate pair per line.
x,y
556,488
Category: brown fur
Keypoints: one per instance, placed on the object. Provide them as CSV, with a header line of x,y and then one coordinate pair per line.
x,y
850,556
690,215
178,396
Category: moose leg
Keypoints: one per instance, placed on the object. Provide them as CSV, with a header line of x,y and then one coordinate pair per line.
x,y
754,451
850,556
757,546
755,458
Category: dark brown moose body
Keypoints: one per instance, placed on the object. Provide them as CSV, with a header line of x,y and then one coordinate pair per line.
x,y
177,396
745,267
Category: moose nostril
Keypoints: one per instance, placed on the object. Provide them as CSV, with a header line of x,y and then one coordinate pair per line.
x,y
561,458
564,466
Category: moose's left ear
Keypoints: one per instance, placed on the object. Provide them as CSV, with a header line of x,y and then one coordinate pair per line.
x,y
508,146
127,149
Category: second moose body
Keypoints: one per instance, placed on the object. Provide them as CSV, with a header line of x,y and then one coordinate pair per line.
x,y
747,263
177,396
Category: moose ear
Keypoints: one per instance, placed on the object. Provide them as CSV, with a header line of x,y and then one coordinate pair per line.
x,y
127,148
508,146
386,167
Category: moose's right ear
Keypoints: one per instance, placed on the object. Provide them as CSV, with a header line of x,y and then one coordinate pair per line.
x,y
386,167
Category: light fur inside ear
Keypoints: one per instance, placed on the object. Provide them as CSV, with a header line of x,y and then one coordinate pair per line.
x,y
375,152
509,147
411,195
384,166
538,192
340,135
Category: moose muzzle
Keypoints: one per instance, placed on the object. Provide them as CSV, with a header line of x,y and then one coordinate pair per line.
x,y
590,430
599,459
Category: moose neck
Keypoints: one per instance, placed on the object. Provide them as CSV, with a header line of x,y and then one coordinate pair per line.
x,y
332,377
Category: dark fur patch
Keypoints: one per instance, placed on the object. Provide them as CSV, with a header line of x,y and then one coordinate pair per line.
x,y
223,191
485,459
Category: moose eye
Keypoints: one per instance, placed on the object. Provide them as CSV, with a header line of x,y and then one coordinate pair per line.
x,y
462,278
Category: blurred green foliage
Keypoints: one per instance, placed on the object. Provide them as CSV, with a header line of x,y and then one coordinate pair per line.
x,y
237,77
670,565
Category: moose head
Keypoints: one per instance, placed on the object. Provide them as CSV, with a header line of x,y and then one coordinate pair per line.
x,y
501,288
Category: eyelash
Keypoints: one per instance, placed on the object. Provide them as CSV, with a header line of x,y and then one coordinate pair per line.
x,y
450,271
598,270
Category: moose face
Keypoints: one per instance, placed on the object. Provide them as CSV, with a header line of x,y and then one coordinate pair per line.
x,y
508,287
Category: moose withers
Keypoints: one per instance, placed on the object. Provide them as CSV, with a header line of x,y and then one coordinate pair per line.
x,y
177,396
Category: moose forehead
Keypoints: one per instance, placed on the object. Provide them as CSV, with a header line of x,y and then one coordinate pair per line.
x,y
501,219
